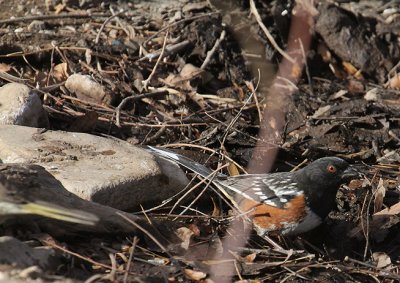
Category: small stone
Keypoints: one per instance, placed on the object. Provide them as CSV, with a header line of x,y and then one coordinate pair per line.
x,y
85,88
36,26
372,95
20,106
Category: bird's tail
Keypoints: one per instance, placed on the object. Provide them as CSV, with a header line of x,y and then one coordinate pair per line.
x,y
182,160
198,169
59,213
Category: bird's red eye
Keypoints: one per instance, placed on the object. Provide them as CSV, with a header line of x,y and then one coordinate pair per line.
x,y
331,169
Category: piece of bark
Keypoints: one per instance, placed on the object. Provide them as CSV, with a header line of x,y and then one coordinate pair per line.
x,y
353,39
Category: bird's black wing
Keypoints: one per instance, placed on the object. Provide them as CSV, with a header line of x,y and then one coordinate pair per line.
x,y
275,189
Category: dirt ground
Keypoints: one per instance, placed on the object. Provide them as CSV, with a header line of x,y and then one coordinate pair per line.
x,y
291,80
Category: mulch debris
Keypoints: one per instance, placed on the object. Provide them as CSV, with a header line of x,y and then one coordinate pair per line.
x,y
197,75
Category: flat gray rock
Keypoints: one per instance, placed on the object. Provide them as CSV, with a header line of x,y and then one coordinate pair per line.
x,y
105,171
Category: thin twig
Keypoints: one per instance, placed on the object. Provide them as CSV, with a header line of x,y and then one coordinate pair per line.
x,y
12,79
145,82
53,245
299,165
306,66
267,33
250,85
134,98
179,22
234,120
96,41
169,49
166,201
148,234
208,179
52,17
213,50
128,265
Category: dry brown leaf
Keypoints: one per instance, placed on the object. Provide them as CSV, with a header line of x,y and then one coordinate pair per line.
x,y
59,8
185,235
337,71
195,7
349,68
339,94
233,170
60,72
4,67
216,210
88,56
177,81
296,70
395,82
381,259
379,195
190,71
356,184
321,111
373,95
195,229
195,275
324,52
189,77
250,257
355,86
393,210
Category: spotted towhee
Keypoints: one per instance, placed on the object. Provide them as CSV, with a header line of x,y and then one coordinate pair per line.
x,y
284,202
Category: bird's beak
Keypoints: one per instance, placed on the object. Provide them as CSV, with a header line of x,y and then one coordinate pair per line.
x,y
351,173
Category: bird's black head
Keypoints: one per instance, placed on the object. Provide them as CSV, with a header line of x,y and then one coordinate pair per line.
x,y
321,179
329,172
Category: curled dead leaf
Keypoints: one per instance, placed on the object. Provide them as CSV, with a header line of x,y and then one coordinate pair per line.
x,y
296,71
250,257
60,72
352,70
355,184
195,229
216,210
195,275
4,67
381,259
393,210
185,235
233,169
379,195
395,82
321,111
